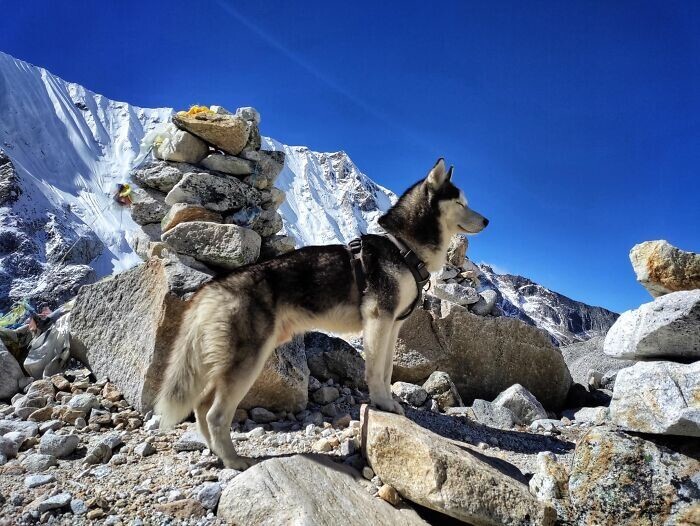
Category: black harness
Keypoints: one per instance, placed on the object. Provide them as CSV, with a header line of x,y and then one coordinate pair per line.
x,y
412,261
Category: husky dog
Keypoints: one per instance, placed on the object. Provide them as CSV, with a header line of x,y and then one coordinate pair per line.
x,y
234,322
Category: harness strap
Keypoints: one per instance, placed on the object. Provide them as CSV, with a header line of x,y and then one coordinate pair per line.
x,y
413,262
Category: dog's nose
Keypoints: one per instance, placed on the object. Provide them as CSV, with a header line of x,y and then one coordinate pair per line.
x,y
486,222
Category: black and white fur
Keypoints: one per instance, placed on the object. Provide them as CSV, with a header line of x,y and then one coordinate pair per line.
x,y
234,322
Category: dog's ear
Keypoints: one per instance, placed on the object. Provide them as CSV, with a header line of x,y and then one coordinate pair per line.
x,y
437,175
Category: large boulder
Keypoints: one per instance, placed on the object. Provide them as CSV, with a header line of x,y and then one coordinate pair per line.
x,y
13,379
308,490
668,327
483,356
456,293
179,145
622,480
227,132
123,328
283,384
225,246
457,251
219,193
438,474
658,397
663,268
583,357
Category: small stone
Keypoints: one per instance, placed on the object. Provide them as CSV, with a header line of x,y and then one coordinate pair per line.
x,y
325,395
78,507
95,514
41,415
8,447
80,423
84,402
208,495
38,462
34,481
258,432
368,473
410,393
174,495
190,441
322,446
342,421
347,448
60,383
152,424
260,415
111,393
56,502
59,446
227,474
389,494
144,449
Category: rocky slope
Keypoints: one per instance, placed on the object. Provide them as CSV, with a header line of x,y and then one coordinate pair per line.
x,y
566,320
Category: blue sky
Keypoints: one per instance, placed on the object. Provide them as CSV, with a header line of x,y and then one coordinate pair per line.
x,y
573,126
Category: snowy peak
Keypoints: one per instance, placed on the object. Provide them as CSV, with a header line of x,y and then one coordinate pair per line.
x,y
566,320
329,200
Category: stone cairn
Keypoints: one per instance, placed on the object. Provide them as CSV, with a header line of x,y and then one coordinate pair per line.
x,y
458,282
208,199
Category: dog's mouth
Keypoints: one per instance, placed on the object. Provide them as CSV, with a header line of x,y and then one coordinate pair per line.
x,y
467,231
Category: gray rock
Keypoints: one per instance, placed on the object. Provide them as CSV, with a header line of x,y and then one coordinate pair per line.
x,y
62,500
331,358
592,415
228,164
84,402
34,481
294,490
148,206
219,193
190,441
521,402
267,169
492,415
436,473
442,336
78,507
184,213
152,424
662,268
272,199
456,293
38,462
28,429
180,146
225,246
658,397
273,246
284,381
441,388
325,395
227,132
8,447
447,272
183,279
11,374
144,449
457,251
264,222
208,495
143,300
581,357
410,393
668,327
627,481
59,446
261,415
161,175
248,113
487,300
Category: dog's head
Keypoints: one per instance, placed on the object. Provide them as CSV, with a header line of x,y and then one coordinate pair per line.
x,y
429,213
455,215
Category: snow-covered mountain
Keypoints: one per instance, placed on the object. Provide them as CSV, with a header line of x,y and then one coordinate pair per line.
x,y
566,320
64,148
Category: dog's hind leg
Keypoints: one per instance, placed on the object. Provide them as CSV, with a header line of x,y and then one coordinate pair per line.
x,y
377,333
200,413
230,388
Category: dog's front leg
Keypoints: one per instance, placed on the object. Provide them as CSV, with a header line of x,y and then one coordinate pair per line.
x,y
377,335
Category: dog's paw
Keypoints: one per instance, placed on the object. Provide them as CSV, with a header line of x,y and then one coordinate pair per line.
x,y
389,405
239,463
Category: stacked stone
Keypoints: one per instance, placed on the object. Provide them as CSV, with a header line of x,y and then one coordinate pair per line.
x,y
208,199
660,394
458,281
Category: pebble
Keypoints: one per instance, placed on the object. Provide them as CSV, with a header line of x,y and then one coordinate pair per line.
x,y
325,395
389,494
322,446
208,495
58,445
37,462
144,449
34,481
227,474
368,473
190,441
78,507
256,433
174,495
152,424
260,415
52,503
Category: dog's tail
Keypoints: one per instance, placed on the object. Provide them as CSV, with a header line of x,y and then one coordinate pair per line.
x,y
184,380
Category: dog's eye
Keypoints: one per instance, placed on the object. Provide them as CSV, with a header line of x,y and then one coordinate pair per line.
x,y
460,204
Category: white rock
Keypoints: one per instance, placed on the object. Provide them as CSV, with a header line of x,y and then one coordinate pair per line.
x,y
668,327
522,403
410,393
228,164
34,481
179,145
658,397
208,494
